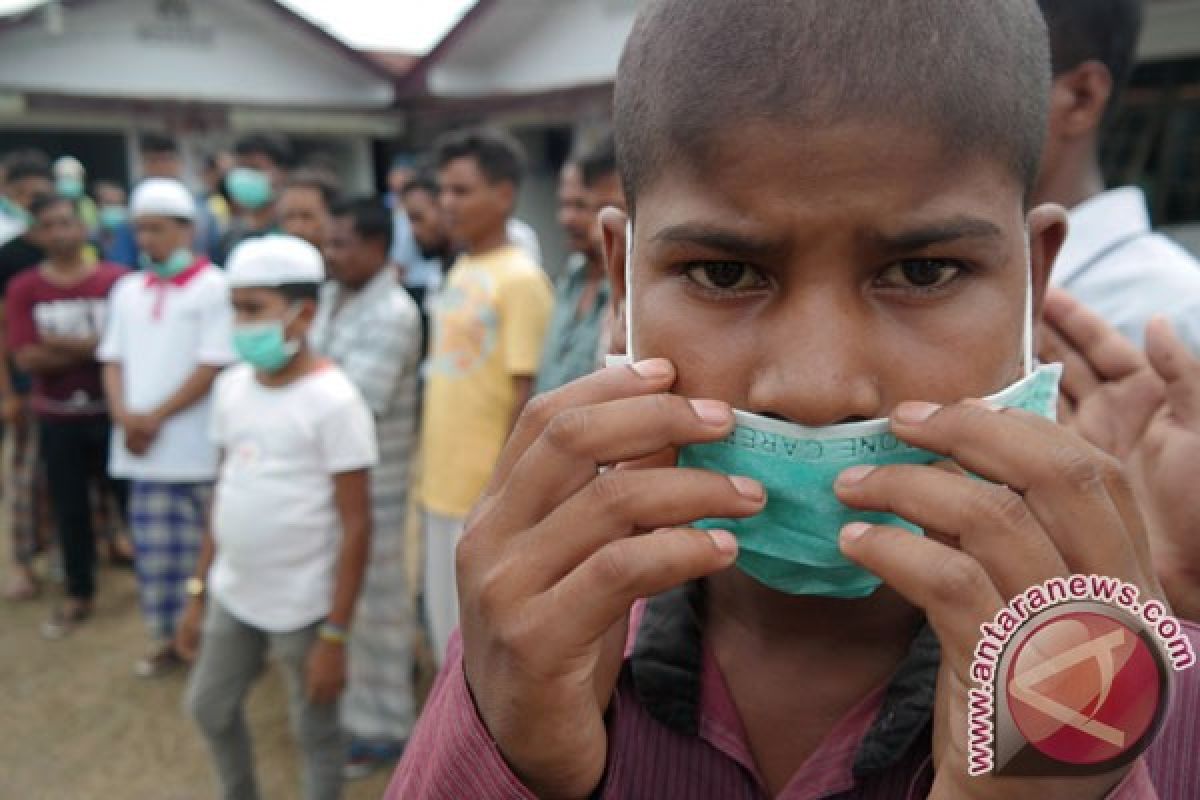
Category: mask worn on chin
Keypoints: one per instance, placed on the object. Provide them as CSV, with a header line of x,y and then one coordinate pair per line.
x,y
264,345
176,263
249,188
792,544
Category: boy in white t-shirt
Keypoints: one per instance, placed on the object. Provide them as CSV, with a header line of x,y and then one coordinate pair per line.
x,y
167,336
291,523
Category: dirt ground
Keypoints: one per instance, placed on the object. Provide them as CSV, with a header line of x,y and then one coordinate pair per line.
x,y
75,724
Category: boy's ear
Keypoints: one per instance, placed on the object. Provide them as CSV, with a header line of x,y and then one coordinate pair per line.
x,y
1079,99
1047,225
613,226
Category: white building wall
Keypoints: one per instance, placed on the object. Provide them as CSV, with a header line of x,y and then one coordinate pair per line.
x,y
543,44
231,51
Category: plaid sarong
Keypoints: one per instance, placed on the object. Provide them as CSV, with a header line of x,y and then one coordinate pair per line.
x,y
25,492
167,521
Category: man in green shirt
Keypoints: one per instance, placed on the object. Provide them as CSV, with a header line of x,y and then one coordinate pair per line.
x,y
577,338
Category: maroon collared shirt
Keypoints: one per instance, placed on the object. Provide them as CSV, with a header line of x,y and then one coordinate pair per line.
x,y
675,734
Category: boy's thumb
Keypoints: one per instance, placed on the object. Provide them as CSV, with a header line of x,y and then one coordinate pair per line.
x,y
1178,368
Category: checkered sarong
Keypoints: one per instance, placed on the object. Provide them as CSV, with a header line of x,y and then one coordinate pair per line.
x,y
25,492
167,521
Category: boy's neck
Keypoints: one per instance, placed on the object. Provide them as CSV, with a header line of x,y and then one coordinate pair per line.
x,y
305,362
790,622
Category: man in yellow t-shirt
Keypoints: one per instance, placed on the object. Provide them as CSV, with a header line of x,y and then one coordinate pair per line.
x,y
489,322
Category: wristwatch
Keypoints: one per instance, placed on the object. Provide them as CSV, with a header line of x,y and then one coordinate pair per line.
x,y
194,587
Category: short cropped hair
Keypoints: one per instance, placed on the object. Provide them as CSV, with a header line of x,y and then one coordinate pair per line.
x,y
598,161
371,219
25,166
296,292
272,145
158,143
27,155
1094,30
500,157
45,202
323,182
423,182
974,72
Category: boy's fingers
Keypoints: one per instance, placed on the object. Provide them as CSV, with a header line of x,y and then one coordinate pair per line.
x,y
1178,368
991,523
622,502
601,590
952,588
1079,380
577,441
1063,479
645,377
1110,355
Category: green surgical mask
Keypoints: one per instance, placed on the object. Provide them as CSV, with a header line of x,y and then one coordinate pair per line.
x,y
263,345
249,188
176,263
69,186
792,545
113,217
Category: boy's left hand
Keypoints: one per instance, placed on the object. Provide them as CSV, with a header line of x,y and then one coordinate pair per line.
x,y
1055,506
326,676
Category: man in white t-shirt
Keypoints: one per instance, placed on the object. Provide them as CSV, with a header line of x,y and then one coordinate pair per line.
x,y
1112,260
291,523
168,335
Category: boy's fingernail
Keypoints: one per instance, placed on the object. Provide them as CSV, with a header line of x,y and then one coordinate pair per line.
x,y
747,487
914,413
652,368
712,412
854,531
853,475
724,541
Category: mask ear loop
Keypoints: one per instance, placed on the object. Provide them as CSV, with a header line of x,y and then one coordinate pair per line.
x,y
1028,363
629,290
627,358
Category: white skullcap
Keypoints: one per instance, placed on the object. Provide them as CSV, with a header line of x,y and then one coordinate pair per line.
x,y
162,197
274,260
69,165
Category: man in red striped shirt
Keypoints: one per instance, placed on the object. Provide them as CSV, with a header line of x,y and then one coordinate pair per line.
x,y
829,224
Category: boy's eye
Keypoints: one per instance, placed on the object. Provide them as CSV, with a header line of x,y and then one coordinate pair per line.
x,y
920,273
725,276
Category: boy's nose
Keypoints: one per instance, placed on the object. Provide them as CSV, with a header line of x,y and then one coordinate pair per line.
x,y
815,368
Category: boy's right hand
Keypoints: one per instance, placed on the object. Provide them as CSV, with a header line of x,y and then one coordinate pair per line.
x,y
557,552
187,631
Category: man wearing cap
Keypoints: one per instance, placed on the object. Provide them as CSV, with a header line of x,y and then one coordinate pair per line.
x,y
168,335
70,181
291,523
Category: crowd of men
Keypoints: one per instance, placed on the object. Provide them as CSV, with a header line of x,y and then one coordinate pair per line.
x,y
247,392
122,314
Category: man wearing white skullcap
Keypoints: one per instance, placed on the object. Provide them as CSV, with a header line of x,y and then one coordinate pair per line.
x,y
70,181
169,333
291,523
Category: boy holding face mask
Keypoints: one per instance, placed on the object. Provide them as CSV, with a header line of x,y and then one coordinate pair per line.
x,y
856,248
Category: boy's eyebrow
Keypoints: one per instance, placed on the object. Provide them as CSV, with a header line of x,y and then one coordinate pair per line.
x,y
947,230
716,238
